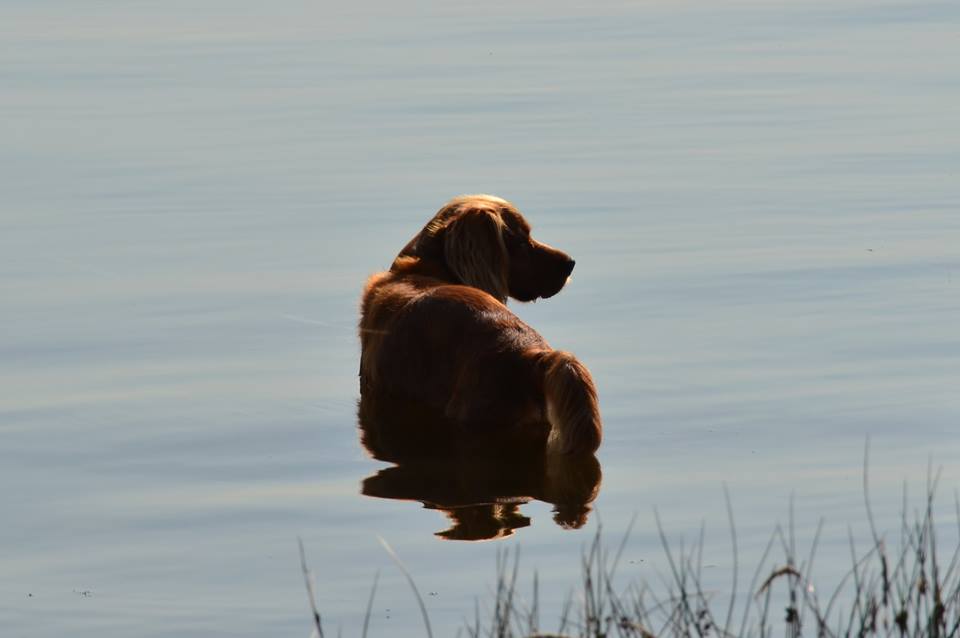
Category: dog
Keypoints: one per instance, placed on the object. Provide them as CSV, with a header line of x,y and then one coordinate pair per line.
x,y
435,328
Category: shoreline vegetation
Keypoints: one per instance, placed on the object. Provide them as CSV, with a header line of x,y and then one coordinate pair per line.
x,y
913,590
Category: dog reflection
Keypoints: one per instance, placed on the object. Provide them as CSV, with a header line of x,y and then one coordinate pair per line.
x,y
478,481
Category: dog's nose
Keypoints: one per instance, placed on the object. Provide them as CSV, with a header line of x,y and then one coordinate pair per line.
x,y
569,266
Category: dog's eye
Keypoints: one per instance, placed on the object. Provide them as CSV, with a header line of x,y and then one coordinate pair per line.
x,y
522,244
515,238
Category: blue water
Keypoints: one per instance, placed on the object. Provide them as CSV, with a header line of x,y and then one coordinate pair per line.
x,y
762,199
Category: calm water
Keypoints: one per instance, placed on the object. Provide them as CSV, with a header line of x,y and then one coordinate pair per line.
x,y
763,201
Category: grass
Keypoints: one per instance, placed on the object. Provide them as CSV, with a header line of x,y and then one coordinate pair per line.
x,y
907,592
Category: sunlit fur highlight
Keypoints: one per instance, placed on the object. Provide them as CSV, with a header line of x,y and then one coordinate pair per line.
x,y
571,404
476,253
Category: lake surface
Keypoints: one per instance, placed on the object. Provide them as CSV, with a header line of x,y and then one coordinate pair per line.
x,y
763,200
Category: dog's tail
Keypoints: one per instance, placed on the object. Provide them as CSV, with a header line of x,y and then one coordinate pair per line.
x,y
572,408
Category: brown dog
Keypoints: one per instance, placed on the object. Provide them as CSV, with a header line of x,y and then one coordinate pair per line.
x,y
435,328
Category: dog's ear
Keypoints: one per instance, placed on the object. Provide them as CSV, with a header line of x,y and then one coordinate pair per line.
x,y
474,250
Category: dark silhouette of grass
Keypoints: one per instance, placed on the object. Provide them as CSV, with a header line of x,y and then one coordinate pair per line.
x,y
907,593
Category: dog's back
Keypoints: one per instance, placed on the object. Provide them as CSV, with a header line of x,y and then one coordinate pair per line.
x,y
449,346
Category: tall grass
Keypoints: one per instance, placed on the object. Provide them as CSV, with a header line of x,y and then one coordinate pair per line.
x,y
911,591
908,592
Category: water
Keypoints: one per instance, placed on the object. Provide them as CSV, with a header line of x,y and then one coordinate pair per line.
x,y
762,200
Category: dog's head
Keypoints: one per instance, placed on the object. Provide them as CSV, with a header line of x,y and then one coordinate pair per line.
x,y
484,242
